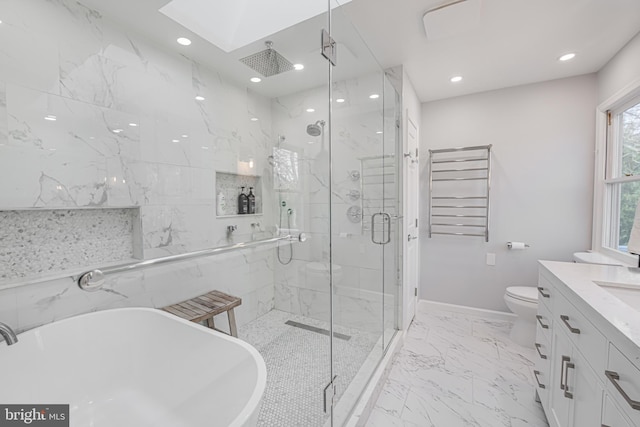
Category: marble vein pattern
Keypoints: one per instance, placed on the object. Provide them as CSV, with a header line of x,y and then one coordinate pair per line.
x,y
459,370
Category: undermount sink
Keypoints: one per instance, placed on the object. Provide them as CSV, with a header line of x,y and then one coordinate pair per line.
x,y
135,367
628,293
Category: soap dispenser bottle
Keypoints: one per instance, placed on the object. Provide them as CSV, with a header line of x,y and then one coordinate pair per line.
x,y
243,202
221,207
252,201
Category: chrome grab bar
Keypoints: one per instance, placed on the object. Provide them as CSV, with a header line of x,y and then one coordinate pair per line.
x,y
93,280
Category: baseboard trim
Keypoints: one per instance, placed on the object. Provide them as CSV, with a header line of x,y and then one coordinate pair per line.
x,y
426,305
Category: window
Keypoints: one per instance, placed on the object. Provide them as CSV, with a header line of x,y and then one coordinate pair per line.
x,y
622,174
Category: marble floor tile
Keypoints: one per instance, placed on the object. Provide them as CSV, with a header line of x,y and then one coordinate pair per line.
x,y
459,370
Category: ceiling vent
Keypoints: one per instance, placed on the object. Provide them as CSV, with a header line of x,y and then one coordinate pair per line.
x,y
452,19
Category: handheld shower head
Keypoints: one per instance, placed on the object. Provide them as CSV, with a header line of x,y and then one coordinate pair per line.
x,y
314,129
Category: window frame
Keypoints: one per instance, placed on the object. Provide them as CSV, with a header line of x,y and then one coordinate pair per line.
x,y
605,201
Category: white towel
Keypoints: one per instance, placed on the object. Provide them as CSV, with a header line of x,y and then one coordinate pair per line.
x,y
633,247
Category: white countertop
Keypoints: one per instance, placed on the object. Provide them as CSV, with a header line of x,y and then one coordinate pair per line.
x,y
580,278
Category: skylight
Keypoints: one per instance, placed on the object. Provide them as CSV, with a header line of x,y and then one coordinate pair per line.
x,y
231,24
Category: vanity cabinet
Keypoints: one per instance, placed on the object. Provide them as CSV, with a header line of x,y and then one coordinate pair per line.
x,y
574,363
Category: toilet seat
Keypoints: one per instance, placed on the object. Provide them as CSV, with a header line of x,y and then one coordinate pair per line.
x,y
523,293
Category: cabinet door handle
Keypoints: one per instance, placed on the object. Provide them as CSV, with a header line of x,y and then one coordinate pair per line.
x,y
542,356
539,317
565,319
603,425
565,359
541,290
567,394
536,373
614,377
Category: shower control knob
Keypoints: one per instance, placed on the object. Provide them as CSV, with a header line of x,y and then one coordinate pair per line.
x,y
302,237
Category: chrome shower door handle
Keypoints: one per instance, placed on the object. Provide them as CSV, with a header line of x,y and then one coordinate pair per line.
x,y
386,218
373,228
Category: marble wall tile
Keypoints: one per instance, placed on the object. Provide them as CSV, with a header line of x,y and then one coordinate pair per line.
x,y
28,59
8,304
4,132
177,228
64,162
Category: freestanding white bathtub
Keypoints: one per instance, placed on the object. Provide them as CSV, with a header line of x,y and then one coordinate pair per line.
x,y
135,367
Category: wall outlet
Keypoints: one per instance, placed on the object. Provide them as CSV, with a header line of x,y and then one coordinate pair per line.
x,y
491,259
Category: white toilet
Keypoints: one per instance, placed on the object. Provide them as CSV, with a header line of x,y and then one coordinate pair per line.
x,y
523,301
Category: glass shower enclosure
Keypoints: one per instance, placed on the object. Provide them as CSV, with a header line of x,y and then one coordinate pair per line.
x,y
195,124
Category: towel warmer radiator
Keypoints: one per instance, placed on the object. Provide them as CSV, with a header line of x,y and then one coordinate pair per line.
x,y
459,191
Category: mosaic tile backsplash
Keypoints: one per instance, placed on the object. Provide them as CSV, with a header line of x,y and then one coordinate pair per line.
x,y
34,242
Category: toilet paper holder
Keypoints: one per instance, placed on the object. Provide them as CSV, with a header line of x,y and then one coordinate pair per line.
x,y
517,245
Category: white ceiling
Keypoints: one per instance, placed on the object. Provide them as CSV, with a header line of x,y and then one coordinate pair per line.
x,y
517,41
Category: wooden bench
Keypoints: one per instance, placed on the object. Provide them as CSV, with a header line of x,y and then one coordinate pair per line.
x,y
206,306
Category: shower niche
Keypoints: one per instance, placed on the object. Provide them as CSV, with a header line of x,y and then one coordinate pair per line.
x,y
228,189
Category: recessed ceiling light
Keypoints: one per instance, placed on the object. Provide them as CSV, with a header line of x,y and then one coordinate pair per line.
x,y
379,132
205,148
133,125
254,119
51,118
199,98
183,41
310,110
374,96
298,67
455,79
185,136
311,142
175,140
117,130
256,79
340,100
567,56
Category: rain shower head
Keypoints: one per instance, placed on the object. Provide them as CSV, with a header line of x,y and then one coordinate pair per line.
x,y
314,129
267,62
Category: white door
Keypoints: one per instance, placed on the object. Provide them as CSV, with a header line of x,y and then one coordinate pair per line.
x,y
411,203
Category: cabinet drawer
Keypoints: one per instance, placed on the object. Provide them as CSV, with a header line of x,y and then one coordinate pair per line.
x,y
542,371
612,416
623,384
584,336
546,292
544,322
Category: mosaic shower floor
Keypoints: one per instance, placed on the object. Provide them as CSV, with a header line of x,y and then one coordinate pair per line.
x,y
297,362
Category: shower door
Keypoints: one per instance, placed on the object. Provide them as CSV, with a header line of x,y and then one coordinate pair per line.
x,y
364,213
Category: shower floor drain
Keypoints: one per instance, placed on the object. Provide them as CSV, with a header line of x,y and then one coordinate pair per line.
x,y
317,330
